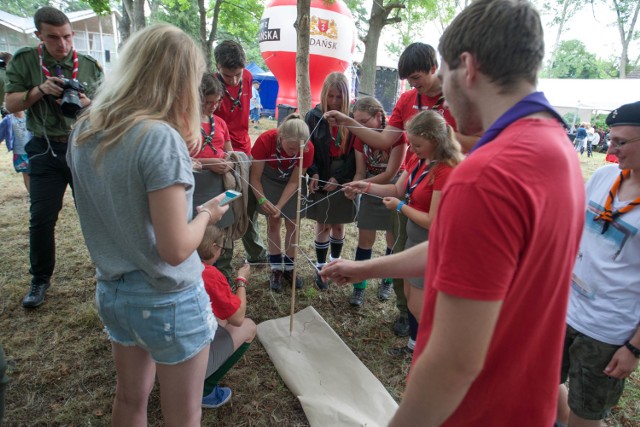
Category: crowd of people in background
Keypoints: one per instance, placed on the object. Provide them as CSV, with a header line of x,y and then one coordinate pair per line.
x,y
449,173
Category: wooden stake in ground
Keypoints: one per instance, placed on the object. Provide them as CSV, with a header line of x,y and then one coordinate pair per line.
x,y
296,238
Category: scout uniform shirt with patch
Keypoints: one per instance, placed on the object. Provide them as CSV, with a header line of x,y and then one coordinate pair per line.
x,y
24,72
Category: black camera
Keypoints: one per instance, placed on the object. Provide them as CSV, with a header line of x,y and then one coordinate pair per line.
x,y
70,104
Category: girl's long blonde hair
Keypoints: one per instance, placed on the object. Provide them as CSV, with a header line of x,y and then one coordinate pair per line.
x,y
156,78
337,81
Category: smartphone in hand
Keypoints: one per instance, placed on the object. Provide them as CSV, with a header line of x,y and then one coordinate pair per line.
x,y
229,196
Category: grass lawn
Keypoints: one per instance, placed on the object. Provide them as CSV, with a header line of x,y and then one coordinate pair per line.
x,y
60,360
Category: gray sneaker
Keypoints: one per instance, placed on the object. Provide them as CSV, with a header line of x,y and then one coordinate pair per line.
x,y
385,289
357,297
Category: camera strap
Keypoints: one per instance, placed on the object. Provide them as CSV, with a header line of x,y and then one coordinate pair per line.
x,y
45,70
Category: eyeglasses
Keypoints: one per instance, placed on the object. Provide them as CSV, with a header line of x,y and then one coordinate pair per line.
x,y
364,122
221,246
618,144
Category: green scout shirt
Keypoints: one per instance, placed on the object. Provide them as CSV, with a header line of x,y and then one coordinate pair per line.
x,y
24,72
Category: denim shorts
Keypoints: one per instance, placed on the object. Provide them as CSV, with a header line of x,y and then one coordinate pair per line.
x,y
173,327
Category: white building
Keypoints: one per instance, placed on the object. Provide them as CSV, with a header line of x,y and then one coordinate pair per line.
x,y
95,35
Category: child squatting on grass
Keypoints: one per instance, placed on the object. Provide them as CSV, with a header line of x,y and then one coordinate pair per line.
x,y
235,331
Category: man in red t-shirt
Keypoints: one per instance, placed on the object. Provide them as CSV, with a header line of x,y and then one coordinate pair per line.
x,y
502,247
234,110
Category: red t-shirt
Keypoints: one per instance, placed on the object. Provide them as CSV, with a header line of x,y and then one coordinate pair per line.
x,y
220,136
407,107
508,229
223,302
265,148
376,160
238,119
434,181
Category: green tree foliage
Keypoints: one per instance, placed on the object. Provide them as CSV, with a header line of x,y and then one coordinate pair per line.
x,y
236,19
408,16
27,8
182,14
573,61
414,17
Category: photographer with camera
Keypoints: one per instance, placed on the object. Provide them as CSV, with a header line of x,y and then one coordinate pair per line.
x,y
49,81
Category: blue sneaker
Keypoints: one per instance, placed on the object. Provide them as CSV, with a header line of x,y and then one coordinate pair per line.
x,y
218,397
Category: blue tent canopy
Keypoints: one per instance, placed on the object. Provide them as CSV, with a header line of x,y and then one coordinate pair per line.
x,y
268,88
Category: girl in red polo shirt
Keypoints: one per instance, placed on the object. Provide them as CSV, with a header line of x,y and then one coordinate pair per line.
x,y
216,141
417,195
376,167
274,181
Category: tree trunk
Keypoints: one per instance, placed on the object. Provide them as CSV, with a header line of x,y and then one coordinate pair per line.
x,y
371,42
213,34
125,21
207,42
303,85
625,38
377,21
138,15
563,19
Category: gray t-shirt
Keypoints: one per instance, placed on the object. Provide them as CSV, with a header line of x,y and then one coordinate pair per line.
x,y
112,203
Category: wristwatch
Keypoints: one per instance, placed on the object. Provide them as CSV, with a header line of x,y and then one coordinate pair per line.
x,y
633,349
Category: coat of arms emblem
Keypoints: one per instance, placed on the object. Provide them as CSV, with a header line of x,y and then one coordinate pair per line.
x,y
323,27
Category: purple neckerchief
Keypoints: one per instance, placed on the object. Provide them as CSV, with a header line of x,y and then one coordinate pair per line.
x,y
530,104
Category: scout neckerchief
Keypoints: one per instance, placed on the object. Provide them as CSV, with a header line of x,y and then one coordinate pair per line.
x,y
209,138
533,103
45,70
286,172
234,101
435,106
336,141
607,216
374,158
410,184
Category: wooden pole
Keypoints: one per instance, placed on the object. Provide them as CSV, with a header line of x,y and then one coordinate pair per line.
x,y
296,238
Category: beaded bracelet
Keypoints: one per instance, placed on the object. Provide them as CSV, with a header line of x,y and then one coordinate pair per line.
x,y
240,282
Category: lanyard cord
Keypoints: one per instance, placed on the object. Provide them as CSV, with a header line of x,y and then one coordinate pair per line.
x,y
409,188
45,70
435,106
